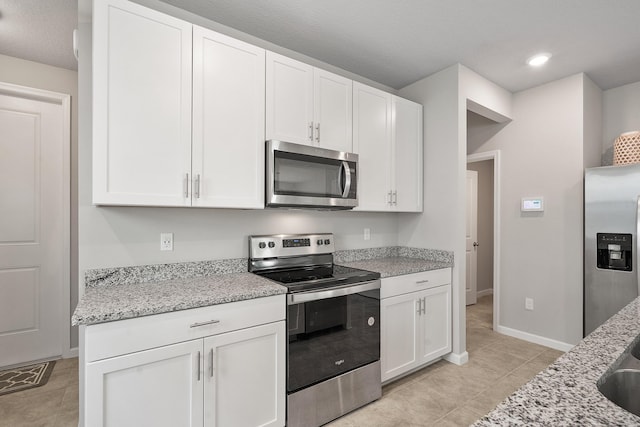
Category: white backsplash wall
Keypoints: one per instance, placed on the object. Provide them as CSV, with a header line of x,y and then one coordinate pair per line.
x,y
124,236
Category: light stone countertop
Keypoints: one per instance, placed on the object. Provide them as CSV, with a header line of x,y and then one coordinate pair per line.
x,y
566,393
126,292
124,301
397,266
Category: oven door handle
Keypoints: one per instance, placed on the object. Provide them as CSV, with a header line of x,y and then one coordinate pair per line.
x,y
300,297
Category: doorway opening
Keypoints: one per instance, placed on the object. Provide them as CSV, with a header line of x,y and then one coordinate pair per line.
x,y
487,250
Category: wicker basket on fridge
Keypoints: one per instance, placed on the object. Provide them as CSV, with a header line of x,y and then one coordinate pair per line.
x,y
626,148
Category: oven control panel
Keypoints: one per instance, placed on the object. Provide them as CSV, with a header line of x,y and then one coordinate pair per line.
x,y
279,245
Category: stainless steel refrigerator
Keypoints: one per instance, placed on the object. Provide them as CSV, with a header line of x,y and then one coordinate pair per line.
x,y
611,211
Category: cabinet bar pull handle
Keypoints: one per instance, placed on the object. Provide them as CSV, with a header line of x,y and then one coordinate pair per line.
x,y
196,187
198,324
389,196
310,131
422,282
186,186
424,305
318,133
395,197
211,363
198,366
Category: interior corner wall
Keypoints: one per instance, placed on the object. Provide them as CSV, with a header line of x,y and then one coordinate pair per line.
x,y
621,113
33,74
593,123
541,155
439,225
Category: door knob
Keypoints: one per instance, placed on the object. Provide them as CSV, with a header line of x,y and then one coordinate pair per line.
x,y
476,244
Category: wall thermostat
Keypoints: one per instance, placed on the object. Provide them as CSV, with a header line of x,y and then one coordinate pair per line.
x,y
532,204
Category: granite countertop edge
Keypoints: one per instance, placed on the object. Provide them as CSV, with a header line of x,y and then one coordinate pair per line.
x,y
566,392
103,304
122,293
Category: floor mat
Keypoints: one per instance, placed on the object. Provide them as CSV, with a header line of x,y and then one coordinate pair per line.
x,y
25,377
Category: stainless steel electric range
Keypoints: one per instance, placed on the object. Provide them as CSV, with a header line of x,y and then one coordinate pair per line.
x,y
333,322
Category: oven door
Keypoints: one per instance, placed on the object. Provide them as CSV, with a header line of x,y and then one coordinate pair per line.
x,y
332,332
305,176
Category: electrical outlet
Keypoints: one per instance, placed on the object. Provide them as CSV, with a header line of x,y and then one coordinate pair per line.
x,y
528,304
367,234
166,241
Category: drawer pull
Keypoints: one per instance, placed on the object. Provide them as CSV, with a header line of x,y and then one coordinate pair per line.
x,y
422,282
210,322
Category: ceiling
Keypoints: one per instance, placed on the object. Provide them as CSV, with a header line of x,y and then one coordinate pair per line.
x,y
393,42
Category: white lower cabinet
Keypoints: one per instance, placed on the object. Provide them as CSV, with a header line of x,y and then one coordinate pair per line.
x,y
157,387
415,320
245,378
234,378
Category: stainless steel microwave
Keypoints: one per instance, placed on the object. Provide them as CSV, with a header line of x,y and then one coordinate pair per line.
x,y
303,176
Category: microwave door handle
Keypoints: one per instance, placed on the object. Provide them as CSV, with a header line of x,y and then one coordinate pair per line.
x,y
347,179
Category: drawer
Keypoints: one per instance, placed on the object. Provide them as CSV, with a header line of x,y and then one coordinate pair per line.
x,y
398,285
110,339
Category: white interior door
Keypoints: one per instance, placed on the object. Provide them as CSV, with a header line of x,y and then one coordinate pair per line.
x,y
34,221
472,237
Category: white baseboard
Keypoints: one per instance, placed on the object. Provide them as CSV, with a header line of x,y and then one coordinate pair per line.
x,y
72,352
457,358
484,292
536,339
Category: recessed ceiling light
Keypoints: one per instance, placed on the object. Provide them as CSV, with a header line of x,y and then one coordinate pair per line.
x,y
539,59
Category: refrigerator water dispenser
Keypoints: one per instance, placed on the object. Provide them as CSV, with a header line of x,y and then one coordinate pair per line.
x,y
614,251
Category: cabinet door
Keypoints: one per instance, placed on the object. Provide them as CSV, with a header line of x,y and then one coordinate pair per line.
x,y
398,333
245,377
372,142
158,387
228,122
407,155
289,100
141,106
333,111
435,323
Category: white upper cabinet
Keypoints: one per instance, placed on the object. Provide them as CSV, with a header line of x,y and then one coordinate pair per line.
x,y
289,100
387,135
141,105
372,142
307,105
228,122
148,147
333,111
407,155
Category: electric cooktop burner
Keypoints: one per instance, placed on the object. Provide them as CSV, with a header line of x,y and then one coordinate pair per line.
x,y
318,277
302,262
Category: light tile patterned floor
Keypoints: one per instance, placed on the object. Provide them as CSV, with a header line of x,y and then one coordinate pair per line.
x,y
442,394
55,404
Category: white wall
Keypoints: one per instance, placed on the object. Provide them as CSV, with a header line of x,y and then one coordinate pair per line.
x,y
41,76
543,155
593,120
445,97
621,113
485,223
439,225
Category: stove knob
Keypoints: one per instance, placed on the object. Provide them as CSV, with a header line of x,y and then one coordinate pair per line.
x,y
327,241
319,242
262,245
272,245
